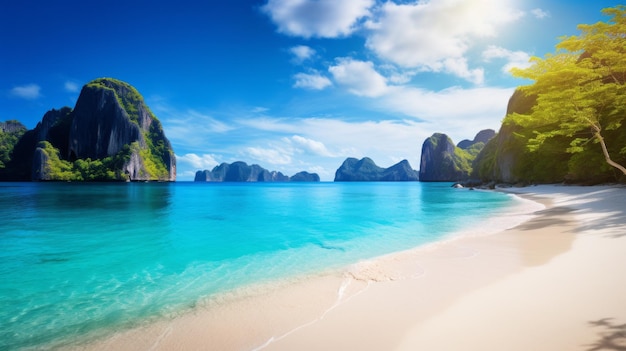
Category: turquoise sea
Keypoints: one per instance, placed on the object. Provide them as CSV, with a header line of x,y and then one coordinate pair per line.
x,y
80,260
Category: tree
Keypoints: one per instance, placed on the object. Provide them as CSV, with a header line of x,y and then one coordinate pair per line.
x,y
580,89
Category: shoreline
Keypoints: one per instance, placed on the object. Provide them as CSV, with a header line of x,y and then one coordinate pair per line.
x,y
397,301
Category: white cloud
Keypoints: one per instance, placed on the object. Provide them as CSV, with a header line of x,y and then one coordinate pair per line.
x,y
198,162
191,130
459,67
317,18
71,87
28,91
359,77
397,75
436,35
540,14
302,53
192,127
452,111
310,145
313,81
274,156
515,59
439,111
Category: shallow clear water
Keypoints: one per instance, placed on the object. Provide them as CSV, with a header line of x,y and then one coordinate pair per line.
x,y
79,258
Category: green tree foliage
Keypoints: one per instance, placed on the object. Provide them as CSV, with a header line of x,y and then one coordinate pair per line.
x,y
581,94
106,169
55,167
8,139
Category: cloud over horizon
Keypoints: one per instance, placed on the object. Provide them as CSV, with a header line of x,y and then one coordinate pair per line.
x,y
28,91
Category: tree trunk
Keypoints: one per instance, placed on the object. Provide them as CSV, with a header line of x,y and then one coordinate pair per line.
x,y
607,157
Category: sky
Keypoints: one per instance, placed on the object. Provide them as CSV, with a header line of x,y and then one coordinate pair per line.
x,y
291,85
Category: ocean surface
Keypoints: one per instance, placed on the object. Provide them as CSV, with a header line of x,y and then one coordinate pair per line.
x,y
80,260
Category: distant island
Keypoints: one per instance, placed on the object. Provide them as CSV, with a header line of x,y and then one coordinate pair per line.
x,y
110,135
242,172
442,161
365,170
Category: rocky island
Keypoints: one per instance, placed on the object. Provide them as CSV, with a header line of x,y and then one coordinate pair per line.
x,y
242,172
365,170
110,135
442,161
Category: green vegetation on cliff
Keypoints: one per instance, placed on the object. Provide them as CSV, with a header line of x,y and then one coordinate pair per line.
x,y
107,169
156,152
110,135
569,124
10,134
127,96
581,92
441,160
158,149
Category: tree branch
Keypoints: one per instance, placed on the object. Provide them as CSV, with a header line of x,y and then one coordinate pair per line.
x,y
607,156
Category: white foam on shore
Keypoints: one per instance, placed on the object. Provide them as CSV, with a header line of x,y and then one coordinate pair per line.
x,y
342,297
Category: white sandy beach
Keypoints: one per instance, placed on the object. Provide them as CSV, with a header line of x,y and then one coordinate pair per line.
x,y
555,282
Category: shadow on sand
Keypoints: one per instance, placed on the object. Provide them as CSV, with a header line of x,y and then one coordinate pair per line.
x,y
546,218
612,336
608,203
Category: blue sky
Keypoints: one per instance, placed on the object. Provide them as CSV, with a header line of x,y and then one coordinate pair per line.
x,y
290,85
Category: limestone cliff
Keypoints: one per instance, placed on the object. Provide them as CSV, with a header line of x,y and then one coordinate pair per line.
x,y
110,135
365,170
242,172
502,155
442,161
438,161
110,118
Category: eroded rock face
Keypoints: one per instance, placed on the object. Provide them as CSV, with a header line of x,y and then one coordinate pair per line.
x,y
503,156
365,170
510,149
242,172
110,116
40,160
101,127
12,127
442,161
437,163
